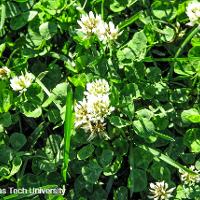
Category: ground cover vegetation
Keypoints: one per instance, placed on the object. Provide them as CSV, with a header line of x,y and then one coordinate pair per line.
x,y
101,97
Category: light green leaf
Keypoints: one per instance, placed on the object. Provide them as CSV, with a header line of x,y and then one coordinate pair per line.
x,y
145,128
119,122
164,10
6,97
48,30
191,116
135,49
192,139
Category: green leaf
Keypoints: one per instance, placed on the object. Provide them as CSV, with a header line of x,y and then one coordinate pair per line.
x,y
52,147
119,122
4,171
106,157
85,152
16,164
91,171
120,146
54,116
78,80
17,140
118,5
164,10
12,9
6,98
48,30
135,49
81,185
145,128
22,19
191,116
32,106
137,176
160,172
139,158
5,119
121,193
31,110
114,167
6,154
36,134
192,139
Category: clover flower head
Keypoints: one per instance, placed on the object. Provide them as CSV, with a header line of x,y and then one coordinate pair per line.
x,y
193,12
98,127
4,72
190,179
99,107
81,113
95,107
160,191
89,23
98,87
108,32
22,82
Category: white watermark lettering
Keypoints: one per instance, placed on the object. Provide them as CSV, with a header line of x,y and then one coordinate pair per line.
x,y
12,190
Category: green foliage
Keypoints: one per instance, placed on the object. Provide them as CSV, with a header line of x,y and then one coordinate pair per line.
x,y
153,71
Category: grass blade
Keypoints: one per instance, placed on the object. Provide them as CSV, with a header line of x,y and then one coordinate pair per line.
x,y
166,159
130,20
186,59
68,127
3,15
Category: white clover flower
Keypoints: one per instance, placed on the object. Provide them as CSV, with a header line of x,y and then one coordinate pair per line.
x,y
190,179
107,32
21,83
4,72
193,12
160,191
94,128
98,107
89,23
95,107
81,113
98,87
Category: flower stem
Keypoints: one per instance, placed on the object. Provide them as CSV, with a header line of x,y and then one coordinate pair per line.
x,y
187,39
102,9
193,32
47,92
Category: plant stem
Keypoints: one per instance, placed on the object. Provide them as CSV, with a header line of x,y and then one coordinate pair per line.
x,y
85,2
102,9
149,59
47,92
194,31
